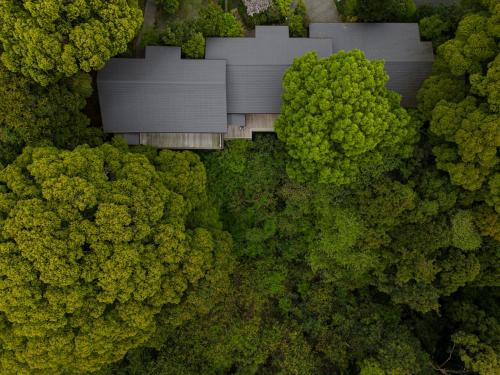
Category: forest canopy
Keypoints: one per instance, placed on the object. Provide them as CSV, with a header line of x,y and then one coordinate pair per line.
x,y
362,239
49,40
95,243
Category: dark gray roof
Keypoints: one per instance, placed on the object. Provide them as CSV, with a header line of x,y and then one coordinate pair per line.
x,y
255,66
408,61
163,93
388,41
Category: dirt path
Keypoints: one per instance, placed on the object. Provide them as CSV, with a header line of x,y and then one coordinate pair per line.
x,y
322,11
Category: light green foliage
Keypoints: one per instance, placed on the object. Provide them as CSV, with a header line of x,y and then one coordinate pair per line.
x,y
284,7
195,47
474,43
169,6
337,118
296,26
100,247
472,136
464,235
30,114
48,40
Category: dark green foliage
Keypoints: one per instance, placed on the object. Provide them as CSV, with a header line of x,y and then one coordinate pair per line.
x,y
31,114
380,10
99,249
190,35
213,21
114,260
296,25
169,6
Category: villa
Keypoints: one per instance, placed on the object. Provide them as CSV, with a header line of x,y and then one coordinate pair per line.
x,y
169,102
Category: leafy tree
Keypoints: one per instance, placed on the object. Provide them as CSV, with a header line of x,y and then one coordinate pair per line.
x,y
338,118
49,40
30,114
190,35
471,139
99,248
437,88
474,43
213,21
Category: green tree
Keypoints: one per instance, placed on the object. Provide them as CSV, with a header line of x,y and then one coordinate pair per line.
x,y
30,114
337,118
474,44
213,21
48,40
96,245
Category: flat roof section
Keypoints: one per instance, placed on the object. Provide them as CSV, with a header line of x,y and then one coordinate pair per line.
x,y
163,93
388,41
255,66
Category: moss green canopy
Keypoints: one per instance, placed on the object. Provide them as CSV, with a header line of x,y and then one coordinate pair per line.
x,y
94,244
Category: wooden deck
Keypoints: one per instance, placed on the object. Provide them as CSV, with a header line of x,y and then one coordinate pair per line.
x,y
198,141
255,123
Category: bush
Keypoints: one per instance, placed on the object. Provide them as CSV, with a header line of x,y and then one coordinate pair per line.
x,y
195,47
150,37
346,8
385,10
169,6
297,26
433,27
213,21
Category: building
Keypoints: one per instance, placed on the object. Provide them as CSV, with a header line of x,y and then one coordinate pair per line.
x,y
408,61
166,101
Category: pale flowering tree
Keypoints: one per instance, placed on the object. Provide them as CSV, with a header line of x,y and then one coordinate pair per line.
x,y
256,6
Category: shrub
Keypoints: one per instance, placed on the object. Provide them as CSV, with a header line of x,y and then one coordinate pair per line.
x,y
169,6
150,37
433,27
194,47
213,21
297,26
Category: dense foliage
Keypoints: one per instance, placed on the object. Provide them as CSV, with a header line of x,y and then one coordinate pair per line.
x,y
95,245
367,242
190,35
30,114
338,119
48,40
377,10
